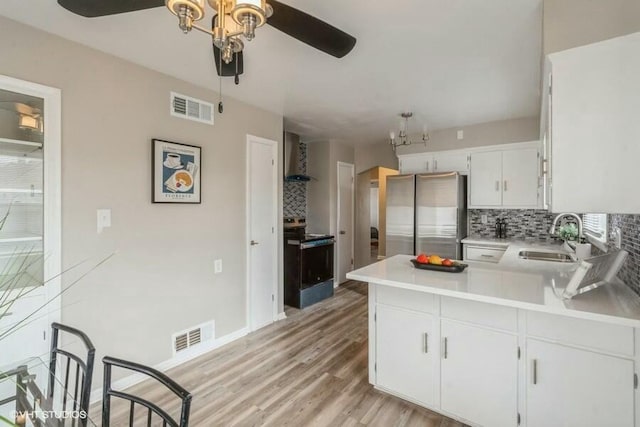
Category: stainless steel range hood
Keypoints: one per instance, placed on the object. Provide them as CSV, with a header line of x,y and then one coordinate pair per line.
x,y
291,158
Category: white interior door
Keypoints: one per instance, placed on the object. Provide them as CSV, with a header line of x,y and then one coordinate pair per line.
x,y
345,226
261,231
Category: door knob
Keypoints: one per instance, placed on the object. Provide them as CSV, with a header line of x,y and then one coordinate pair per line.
x,y
253,243
343,232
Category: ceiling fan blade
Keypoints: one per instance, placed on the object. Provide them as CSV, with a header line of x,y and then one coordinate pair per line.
x,y
310,30
229,69
95,8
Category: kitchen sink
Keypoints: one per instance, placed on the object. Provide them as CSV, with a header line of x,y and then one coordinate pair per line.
x,y
546,256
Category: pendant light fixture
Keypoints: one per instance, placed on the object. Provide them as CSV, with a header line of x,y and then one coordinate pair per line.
x,y
403,133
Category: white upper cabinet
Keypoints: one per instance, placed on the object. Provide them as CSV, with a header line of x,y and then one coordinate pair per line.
x,y
591,113
485,186
438,161
416,163
451,161
506,178
520,174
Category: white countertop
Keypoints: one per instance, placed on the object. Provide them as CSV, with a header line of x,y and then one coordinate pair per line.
x,y
515,282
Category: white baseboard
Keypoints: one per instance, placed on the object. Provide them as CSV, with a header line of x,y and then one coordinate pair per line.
x,y
281,316
183,357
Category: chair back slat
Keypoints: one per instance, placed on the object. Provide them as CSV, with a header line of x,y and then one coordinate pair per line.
x,y
152,408
80,385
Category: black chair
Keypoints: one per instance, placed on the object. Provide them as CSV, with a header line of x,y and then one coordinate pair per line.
x,y
152,408
80,373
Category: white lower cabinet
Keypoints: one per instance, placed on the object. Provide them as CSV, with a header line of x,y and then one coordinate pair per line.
x,y
404,353
462,358
573,387
479,374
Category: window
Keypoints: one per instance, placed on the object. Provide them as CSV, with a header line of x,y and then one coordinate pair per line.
x,y
595,226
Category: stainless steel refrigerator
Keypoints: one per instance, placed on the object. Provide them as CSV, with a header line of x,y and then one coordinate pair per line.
x,y
426,213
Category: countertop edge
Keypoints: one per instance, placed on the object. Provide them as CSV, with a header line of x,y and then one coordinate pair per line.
x,y
622,321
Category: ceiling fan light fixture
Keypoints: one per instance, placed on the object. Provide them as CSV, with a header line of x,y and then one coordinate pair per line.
x,y
251,14
187,11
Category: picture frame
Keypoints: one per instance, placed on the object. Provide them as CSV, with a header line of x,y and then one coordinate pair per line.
x,y
175,172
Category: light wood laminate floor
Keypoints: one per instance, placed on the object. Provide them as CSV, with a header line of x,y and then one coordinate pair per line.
x,y
307,370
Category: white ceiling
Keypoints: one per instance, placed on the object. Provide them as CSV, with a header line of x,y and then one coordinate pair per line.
x,y
452,62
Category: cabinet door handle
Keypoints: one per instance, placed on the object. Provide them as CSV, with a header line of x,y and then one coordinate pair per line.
x,y
425,342
427,166
497,185
435,165
535,372
505,185
446,352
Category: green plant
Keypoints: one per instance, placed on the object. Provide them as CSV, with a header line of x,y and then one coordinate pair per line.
x,y
568,232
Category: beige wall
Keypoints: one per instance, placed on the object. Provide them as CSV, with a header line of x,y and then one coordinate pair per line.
x,y
491,133
372,155
161,279
572,23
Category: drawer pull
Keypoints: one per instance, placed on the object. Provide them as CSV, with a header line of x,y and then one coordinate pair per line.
x,y
486,256
425,342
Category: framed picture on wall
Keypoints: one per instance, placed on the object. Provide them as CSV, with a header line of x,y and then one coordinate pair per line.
x,y
175,172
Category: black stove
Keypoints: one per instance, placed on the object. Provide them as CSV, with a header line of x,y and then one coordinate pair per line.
x,y
308,265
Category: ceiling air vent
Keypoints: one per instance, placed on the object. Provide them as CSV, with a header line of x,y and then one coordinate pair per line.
x,y
191,108
193,336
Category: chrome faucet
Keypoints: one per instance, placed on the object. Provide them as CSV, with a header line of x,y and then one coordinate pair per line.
x,y
552,230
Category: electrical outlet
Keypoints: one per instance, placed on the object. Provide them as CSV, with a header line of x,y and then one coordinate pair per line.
x,y
484,219
217,266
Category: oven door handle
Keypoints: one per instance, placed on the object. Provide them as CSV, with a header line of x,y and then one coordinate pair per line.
x,y
312,245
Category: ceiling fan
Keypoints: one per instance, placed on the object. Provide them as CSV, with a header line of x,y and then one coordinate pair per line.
x,y
239,20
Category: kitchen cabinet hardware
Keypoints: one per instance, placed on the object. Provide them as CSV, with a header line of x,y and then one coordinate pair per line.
x,y
343,232
446,352
435,165
425,342
535,372
497,185
253,243
505,185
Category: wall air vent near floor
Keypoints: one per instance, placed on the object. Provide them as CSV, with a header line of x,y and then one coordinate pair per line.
x,y
193,336
191,108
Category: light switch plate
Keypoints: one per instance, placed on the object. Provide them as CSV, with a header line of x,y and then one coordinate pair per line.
x,y
103,219
217,266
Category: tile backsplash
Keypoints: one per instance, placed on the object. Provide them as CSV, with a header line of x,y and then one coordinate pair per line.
x,y
534,225
525,224
295,193
630,227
